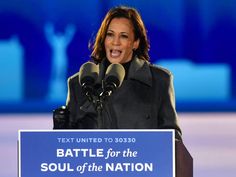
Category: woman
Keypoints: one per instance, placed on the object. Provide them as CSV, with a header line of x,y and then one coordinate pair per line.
x,y
145,99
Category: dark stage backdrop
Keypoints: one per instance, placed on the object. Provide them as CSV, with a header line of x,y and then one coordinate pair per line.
x,y
43,42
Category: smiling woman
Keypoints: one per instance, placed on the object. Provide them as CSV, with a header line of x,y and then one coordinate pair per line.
x,y
144,99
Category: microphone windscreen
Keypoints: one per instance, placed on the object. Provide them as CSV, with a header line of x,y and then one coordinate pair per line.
x,y
115,73
88,73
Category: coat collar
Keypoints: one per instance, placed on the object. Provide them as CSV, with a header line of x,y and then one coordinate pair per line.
x,y
139,70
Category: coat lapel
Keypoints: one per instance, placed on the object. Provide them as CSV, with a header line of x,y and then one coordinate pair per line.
x,y
140,71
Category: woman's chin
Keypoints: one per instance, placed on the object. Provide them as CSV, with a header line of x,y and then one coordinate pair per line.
x,y
114,60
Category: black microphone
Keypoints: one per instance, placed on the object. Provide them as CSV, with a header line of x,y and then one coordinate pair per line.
x,y
88,75
114,77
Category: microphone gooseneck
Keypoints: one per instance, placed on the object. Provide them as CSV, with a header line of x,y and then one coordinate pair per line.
x,y
97,93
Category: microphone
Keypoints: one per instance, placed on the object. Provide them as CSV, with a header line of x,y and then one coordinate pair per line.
x,y
88,75
114,77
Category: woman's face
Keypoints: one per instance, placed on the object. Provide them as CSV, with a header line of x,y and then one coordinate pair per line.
x,y
119,41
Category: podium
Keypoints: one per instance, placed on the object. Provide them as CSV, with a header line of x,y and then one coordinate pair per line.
x,y
184,161
92,153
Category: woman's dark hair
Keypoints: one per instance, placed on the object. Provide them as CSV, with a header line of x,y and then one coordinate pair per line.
x,y
98,48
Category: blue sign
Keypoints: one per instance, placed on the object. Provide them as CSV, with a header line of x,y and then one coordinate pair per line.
x,y
93,153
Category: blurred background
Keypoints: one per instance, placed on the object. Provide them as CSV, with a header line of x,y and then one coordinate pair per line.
x,y
44,42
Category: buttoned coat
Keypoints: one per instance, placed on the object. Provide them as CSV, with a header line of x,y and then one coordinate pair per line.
x,y
145,100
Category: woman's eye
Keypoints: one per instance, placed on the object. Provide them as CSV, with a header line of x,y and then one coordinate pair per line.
x,y
109,34
124,36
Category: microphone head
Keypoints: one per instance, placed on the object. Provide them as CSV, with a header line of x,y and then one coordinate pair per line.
x,y
115,74
88,73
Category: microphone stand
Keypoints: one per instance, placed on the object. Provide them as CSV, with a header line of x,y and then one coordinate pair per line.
x,y
98,101
99,105
99,109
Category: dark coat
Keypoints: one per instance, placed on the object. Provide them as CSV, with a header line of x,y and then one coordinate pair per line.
x,y
145,100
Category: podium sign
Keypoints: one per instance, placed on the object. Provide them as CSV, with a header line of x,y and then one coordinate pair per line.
x,y
96,153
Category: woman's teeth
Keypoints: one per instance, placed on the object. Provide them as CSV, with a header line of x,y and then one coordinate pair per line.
x,y
115,53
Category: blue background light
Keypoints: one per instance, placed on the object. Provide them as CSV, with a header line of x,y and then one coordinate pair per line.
x,y
42,43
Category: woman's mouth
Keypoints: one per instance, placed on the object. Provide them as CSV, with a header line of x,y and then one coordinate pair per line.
x,y
115,53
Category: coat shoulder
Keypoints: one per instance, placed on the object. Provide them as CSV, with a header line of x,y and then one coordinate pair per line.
x,y
160,71
74,77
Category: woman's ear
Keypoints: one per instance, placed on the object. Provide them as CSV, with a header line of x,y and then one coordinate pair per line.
x,y
136,44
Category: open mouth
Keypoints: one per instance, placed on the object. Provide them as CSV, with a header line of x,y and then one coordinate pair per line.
x,y
115,53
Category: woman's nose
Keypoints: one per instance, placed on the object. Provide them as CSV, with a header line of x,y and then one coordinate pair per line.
x,y
116,40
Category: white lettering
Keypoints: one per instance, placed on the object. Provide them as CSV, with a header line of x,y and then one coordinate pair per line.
x,y
52,167
129,167
79,152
